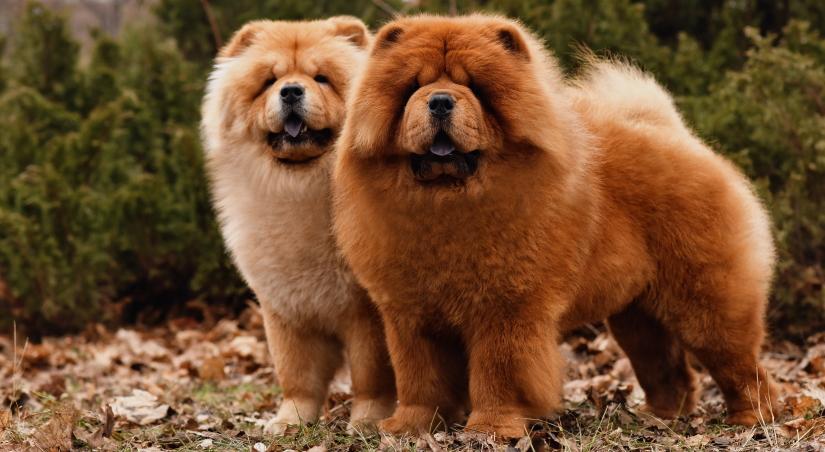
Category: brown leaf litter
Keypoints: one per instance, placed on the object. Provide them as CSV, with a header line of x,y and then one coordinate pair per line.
x,y
187,386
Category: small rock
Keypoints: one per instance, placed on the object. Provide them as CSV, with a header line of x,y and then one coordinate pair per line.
x,y
722,441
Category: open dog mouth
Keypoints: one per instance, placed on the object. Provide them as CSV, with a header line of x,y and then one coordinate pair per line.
x,y
298,143
443,161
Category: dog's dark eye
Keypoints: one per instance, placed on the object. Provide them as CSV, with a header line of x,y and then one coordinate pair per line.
x,y
477,92
267,84
483,97
410,91
321,79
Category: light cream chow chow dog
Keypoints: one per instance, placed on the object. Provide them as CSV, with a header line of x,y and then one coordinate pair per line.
x,y
274,106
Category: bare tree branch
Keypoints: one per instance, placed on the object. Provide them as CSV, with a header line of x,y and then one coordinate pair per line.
x,y
407,7
216,32
96,9
387,8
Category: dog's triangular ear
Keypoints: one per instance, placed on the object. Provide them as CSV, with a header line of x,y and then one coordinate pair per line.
x,y
351,28
512,39
387,36
240,40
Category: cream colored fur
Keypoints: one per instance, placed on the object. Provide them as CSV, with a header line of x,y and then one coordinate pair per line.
x,y
275,216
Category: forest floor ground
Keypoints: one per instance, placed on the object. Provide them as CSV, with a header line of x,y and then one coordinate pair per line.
x,y
209,385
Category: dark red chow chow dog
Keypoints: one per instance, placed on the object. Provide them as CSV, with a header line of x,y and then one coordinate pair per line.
x,y
489,205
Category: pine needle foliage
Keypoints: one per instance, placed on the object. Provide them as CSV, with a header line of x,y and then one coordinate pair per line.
x,y
102,193
104,205
770,119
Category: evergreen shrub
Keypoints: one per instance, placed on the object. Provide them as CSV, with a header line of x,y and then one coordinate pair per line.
x,y
103,200
104,206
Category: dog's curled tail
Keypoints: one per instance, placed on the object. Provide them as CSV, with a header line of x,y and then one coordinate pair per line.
x,y
616,89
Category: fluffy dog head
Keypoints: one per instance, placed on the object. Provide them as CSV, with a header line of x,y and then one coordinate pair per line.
x,y
276,96
451,98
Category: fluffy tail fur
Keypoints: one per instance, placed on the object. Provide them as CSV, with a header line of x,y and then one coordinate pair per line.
x,y
617,90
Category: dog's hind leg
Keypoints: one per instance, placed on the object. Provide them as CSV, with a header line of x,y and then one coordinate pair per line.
x,y
659,361
726,334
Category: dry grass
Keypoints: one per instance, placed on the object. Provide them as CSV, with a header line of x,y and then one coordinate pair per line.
x,y
195,387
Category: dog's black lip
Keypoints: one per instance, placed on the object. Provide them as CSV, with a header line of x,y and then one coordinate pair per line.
x,y
466,164
320,137
298,162
446,158
279,143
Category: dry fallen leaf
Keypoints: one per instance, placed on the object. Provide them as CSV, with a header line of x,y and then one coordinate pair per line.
x,y
150,348
722,441
141,408
389,444
432,442
697,440
803,428
575,391
57,433
523,445
95,439
115,364
249,347
815,392
648,420
569,445
38,354
212,369
108,421
816,365
623,370
800,405
5,423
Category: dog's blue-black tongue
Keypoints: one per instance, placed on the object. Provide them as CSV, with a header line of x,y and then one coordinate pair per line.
x,y
293,125
442,144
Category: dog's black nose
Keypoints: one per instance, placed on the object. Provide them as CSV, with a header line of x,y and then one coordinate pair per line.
x,y
292,93
441,105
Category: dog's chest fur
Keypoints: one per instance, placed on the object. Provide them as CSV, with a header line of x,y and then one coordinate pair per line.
x,y
281,241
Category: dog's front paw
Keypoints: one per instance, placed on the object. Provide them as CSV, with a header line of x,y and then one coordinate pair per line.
x,y
361,426
504,426
366,414
749,418
291,415
413,420
278,427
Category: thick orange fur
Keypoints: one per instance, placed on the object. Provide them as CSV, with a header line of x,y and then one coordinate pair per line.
x,y
273,205
590,201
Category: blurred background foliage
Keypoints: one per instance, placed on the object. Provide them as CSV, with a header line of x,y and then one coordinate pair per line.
x,y
104,207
